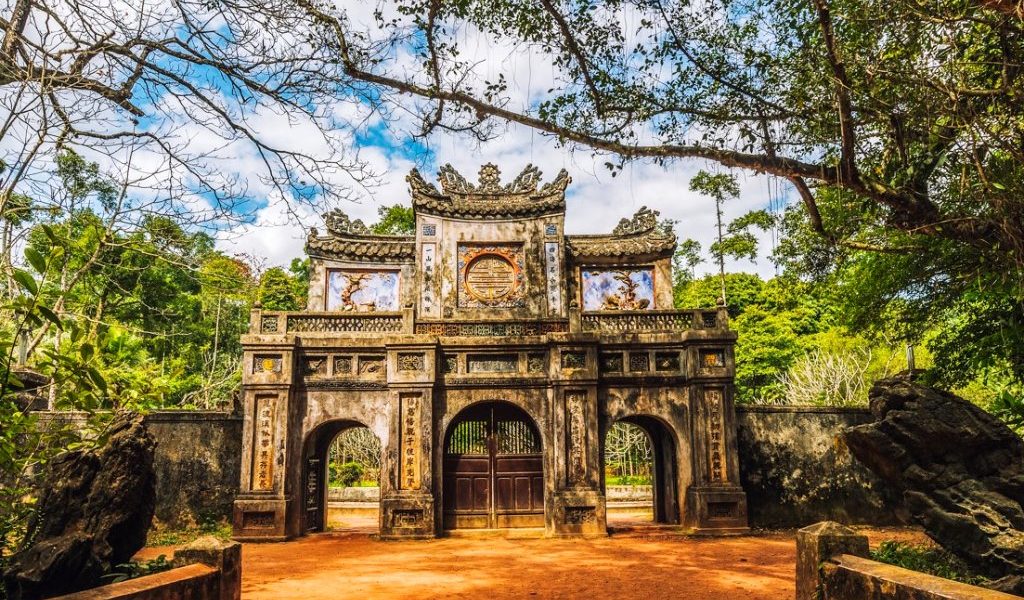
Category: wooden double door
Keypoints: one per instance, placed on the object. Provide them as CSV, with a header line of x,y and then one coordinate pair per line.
x,y
493,470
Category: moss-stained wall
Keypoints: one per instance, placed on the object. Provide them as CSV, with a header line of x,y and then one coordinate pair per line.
x,y
796,469
197,465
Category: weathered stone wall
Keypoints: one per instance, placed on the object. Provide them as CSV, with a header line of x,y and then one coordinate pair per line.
x,y
793,466
197,464
796,469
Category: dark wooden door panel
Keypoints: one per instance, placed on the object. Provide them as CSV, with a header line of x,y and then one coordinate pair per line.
x,y
493,473
537,489
523,495
481,493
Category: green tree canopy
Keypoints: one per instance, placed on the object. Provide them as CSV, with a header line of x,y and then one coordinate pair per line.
x,y
396,219
899,126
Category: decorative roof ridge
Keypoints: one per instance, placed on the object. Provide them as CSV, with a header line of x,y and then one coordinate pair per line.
x,y
655,233
340,225
456,187
640,235
353,240
644,223
314,234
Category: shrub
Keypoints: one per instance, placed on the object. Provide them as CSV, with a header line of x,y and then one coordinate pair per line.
x,y
347,474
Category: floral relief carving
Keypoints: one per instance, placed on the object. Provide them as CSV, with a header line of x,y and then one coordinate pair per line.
x,y
411,361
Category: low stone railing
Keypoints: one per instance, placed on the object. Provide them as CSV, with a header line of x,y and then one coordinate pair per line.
x,y
629,493
206,569
832,564
607,322
277,322
650,321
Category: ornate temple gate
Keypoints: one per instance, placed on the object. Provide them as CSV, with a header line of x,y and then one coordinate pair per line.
x,y
493,470
488,305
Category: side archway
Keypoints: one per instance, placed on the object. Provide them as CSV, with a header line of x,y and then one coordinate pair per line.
x,y
319,472
654,460
493,469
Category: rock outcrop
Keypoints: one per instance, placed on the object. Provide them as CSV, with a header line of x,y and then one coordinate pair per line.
x,y
960,471
94,510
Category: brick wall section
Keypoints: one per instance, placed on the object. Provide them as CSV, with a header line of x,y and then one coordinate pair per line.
x,y
796,469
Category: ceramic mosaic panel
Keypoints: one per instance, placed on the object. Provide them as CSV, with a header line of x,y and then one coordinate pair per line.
x,y
362,291
618,289
491,276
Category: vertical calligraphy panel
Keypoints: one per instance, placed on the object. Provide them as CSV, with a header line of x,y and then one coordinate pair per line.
x,y
713,399
576,437
428,295
263,443
553,275
410,441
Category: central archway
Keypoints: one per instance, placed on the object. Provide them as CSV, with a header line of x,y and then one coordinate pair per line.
x,y
493,469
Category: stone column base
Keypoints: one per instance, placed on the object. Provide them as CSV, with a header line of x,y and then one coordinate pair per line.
x,y
407,516
717,510
260,519
580,513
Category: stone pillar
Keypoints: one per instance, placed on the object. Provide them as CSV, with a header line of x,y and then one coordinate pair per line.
x,y
815,545
407,502
577,505
715,501
226,557
264,508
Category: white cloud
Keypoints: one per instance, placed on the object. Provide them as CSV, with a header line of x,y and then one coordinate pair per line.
x,y
596,200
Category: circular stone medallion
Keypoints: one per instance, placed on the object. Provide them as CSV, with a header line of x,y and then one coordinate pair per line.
x,y
490,277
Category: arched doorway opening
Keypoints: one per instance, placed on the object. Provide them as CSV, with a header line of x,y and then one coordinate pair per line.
x,y
341,479
353,480
640,473
493,469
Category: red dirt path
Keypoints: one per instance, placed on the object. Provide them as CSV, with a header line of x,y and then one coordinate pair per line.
x,y
352,565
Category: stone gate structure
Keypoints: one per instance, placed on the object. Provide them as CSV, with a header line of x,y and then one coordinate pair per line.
x,y
490,353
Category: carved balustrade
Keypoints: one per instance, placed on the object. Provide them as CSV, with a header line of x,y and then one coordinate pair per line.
x,y
323,322
648,321
607,322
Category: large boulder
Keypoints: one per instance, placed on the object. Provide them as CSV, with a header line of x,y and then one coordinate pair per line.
x,y
94,510
960,471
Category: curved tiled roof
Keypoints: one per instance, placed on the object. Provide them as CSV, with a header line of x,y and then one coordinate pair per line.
x,y
640,236
458,198
347,246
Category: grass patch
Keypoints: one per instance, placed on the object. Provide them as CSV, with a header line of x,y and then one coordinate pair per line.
x,y
176,537
138,568
925,559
